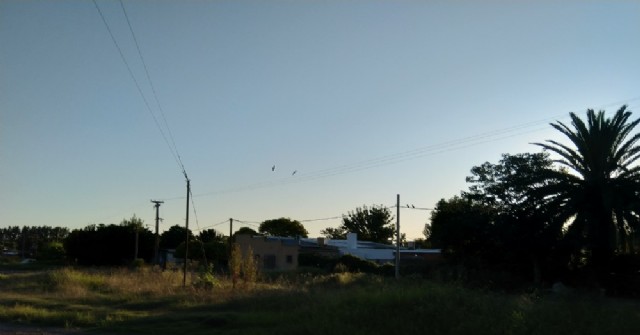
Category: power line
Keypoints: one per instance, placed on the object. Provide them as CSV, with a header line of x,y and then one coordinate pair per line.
x,y
322,219
395,158
135,81
153,88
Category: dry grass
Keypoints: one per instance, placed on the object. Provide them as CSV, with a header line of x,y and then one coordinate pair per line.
x,y
148,301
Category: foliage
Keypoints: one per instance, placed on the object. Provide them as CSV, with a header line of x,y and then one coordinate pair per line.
x,y
352,263
249,267
502,222
245,231
30,240
52,251
206,278
170,239
243,265
463,229
370,223
599,193
118,301
211,235
235,264
283,227
108,245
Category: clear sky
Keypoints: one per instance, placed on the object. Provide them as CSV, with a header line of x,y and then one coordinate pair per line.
x,y
364,99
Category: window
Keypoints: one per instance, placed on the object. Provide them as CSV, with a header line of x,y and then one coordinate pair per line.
x,y
269,261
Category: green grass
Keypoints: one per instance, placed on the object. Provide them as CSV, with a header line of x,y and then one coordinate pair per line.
x,y
122,301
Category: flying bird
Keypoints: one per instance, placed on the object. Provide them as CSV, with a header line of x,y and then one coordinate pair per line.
x,y
273,168
294,172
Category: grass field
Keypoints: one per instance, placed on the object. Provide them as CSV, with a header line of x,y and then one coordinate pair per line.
x,y
146,301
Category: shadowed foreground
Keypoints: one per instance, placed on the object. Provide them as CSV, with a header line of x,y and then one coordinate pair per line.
x,y
148,302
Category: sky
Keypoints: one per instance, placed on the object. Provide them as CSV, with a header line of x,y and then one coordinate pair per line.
x,y
364,100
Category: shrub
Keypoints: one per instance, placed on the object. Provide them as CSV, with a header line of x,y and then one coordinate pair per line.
x,y
205,279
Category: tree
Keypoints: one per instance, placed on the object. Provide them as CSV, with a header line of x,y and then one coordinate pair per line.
x,y
245,231
108,244
211,235
334,233
524,227
599,192
462,228
136,224
171,238
370,223
283,227
502,220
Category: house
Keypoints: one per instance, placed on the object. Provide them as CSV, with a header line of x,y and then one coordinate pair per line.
x,y
281,253
372,251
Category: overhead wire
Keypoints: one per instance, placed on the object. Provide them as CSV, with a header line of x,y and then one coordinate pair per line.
x,y
394,158
153,88
447,146
138,87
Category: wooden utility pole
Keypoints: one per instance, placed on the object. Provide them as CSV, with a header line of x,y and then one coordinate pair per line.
x,y
230,229
156,248
398,237
186,242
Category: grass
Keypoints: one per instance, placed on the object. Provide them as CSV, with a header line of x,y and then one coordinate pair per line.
x,y
123,301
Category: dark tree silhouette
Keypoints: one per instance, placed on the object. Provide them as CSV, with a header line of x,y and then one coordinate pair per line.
x,y
211,235
245,231
599,193
108,245
370,223
283,227
171,238
526,229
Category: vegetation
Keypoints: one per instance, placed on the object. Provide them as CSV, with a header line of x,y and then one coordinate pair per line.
x,y
599,193
175,235
501,222
30,241
144,301
283,227
245,231
110,244
524,220
370,223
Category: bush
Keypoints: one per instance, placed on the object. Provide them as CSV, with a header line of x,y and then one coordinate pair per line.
x,y
52,251
318,261
137,263
206,279
356,264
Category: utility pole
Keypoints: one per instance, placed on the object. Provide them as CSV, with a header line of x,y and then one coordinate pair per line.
x,y
156,248
186,242
230,230
398,237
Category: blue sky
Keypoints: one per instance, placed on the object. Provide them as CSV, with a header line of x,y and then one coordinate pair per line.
x,y
364,99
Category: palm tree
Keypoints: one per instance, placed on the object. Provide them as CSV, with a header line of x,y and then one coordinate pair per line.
x,y
598,188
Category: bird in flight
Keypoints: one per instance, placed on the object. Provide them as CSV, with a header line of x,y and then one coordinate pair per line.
x,y
294,172
273,168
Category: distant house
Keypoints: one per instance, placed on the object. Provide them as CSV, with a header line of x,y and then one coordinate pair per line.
x,y
376,252
281,253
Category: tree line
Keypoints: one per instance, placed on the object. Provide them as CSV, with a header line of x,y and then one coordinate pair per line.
x,y
569,211
571,217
